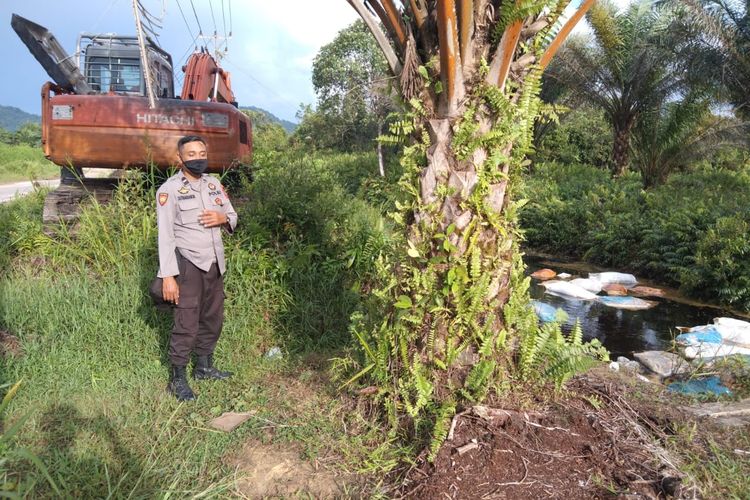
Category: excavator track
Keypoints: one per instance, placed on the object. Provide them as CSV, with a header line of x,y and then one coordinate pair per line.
x,y
65,203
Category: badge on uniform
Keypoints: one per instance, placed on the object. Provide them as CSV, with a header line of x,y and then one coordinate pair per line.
x,y
211,186
219,201
183,190
163,198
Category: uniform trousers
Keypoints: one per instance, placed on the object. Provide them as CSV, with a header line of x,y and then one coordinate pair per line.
x,y
199,315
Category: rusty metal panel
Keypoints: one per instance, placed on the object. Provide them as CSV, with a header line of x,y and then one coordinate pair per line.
x,y
115,131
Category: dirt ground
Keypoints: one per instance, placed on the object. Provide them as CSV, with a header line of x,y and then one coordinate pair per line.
x,y
606,436
592,444
268,471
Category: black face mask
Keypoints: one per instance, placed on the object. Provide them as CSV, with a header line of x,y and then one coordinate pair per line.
x,y
196,167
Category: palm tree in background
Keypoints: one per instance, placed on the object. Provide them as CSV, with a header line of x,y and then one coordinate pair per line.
x,y
628,68
678,133
719,49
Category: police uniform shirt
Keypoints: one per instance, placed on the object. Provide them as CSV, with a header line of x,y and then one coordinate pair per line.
x,y
178,206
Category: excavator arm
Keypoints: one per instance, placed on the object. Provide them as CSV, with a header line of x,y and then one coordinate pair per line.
x,y
205,80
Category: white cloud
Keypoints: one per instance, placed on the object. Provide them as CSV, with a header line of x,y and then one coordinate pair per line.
x,y
273,47
311,23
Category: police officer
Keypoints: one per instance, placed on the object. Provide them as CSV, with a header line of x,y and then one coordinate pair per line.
x,y
192,211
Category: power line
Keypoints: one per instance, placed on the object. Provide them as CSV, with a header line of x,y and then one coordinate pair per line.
x,y
230,17
260,84
190,32
149,23
180,76
224,25
223,18
104,13
151,18
76,56
187,51
200,28
211,7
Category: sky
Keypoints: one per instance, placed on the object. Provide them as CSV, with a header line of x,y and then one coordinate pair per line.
x,y
269,55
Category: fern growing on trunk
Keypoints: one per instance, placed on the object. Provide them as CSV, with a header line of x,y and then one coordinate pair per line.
x,y
445,322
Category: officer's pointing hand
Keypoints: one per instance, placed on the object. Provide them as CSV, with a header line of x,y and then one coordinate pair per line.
x,y
211,218
170,290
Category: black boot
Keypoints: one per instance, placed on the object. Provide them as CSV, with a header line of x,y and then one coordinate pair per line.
x,y
204,369
178,384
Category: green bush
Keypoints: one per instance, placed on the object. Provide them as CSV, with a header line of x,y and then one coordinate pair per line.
x,y
304,206
582,136
722,263
20,227
571,206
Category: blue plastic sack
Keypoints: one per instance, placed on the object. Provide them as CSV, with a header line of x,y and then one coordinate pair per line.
x,y
704,335
630,303
708,385
544,312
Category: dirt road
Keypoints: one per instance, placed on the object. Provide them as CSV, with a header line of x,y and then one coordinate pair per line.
x,y
10,191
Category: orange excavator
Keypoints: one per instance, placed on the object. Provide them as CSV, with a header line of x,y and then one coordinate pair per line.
x,y
115,108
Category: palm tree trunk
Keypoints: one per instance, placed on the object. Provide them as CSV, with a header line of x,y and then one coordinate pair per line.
x,y
458,273
441,333
621,147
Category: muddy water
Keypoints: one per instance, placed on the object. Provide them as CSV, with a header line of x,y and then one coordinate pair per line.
x,y
622,332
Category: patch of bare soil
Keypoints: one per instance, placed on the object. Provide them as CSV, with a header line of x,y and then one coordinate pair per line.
x,y
272,471
592,444
279,468
9,345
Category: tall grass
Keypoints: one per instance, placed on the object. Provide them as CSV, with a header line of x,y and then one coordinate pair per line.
x,y
94,353
22,163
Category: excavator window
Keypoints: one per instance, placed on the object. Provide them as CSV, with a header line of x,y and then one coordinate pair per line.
x,y
118,75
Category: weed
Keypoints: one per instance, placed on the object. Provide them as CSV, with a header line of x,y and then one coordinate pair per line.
x,y
714,462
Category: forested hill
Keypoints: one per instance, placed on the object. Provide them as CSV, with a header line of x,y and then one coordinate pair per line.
x,y
288,126
12,118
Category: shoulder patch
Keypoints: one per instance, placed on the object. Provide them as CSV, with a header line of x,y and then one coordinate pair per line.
x,y
163,197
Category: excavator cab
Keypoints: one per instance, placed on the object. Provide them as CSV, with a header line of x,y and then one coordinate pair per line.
x,y
112,63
